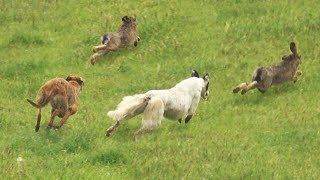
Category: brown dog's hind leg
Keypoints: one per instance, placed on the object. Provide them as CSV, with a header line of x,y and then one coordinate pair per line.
x,y
251,86
38,121
239,87
53,115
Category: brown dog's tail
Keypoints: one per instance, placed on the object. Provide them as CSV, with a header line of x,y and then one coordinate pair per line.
x,y
42,100
34,104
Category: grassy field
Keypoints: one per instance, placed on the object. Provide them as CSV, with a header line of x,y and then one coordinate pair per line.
x,y
275,135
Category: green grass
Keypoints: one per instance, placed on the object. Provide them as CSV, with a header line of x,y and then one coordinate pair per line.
x,y
274,135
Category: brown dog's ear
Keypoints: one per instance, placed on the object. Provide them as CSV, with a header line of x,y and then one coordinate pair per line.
x,y
125,19
68,78
195,74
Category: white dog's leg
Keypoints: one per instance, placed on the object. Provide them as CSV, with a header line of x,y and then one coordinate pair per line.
x,y
192,109
112,128
152,117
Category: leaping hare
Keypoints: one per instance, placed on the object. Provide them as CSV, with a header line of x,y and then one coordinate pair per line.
x,y
264,77
125,36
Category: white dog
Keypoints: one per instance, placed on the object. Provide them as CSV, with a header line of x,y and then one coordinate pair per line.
x,y
175,103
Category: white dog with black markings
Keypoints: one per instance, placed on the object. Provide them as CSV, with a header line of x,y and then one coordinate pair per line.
x,y
175,103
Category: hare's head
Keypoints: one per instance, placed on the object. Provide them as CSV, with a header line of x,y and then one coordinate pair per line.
x,y
294,57
205,85
129,20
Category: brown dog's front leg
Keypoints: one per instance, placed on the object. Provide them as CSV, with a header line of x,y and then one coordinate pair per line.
x,y
63,120
53,115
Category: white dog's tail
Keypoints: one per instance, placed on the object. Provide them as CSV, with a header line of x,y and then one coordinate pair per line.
x,y
129,107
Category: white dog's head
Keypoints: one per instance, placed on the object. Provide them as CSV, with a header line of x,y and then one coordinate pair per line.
x,y
205,86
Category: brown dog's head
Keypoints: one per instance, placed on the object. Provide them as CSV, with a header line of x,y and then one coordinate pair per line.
x,y
77,79
294,57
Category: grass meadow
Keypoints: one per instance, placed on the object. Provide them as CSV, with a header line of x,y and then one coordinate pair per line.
x,y
275,135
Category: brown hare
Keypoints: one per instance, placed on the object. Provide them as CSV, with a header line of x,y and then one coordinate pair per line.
x,y
264,77
125,36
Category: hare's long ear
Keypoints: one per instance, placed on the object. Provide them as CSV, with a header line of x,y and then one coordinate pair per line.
x,y
195,74
125,19
293,48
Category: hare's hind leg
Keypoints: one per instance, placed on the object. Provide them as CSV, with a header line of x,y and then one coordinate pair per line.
x,y
94,57
152,117
251,86
240,87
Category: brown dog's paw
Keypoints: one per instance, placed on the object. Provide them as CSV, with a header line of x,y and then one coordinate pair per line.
x,y
37,128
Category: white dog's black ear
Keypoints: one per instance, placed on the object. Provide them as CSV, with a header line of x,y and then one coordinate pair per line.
x,y
206,77
194,73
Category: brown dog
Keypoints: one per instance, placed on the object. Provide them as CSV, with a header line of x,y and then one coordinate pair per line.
x,y
63,97
264,77
125,36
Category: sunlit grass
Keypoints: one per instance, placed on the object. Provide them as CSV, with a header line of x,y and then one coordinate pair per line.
x,y
274,135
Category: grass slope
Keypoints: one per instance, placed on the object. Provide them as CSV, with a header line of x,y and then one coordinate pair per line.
x,y
271,136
